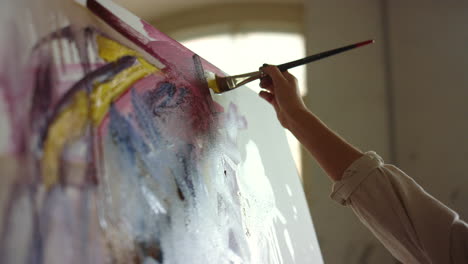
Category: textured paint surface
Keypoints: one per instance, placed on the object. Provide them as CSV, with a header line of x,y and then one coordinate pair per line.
x,y
119,154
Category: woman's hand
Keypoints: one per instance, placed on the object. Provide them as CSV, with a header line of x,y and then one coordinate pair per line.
x,y
282,92
332,152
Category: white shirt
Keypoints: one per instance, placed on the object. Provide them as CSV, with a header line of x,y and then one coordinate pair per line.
x,y
411,224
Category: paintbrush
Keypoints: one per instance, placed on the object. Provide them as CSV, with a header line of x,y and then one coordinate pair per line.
x,y
223,84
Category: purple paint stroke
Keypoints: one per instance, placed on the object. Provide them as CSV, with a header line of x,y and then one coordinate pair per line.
x,y
179,63
201,113
172,54
70,33
100,75
43,94
65,32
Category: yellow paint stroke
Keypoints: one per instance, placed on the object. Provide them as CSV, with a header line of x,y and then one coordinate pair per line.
x,y
71,122
68,126
213,85
212,81
105,93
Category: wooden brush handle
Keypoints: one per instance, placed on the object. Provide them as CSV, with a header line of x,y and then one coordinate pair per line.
x,y
319,56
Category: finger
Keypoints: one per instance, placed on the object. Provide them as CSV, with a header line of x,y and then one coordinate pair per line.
x,y
270,98
266,83
274,73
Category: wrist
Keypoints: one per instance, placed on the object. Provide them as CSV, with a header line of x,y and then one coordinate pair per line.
x,y
294,116
293,113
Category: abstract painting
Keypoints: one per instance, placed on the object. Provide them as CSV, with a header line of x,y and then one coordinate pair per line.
x,y
115,150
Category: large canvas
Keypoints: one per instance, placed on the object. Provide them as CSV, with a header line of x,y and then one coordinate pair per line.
x,y
115,150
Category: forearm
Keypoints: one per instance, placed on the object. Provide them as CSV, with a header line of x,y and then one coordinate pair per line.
x,y
332,152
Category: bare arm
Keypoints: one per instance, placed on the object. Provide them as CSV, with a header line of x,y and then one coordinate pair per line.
x,y
331,151
412,225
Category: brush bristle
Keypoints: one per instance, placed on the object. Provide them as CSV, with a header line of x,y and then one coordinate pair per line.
x,y
211,80
212,83
216,83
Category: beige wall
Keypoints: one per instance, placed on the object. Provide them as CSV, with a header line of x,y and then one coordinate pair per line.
x,y
429,58
404,97
348,92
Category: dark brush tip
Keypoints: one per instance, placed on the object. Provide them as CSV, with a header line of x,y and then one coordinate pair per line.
x,y
365,43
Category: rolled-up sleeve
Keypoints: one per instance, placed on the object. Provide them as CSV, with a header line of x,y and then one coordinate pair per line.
x,y
414,226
